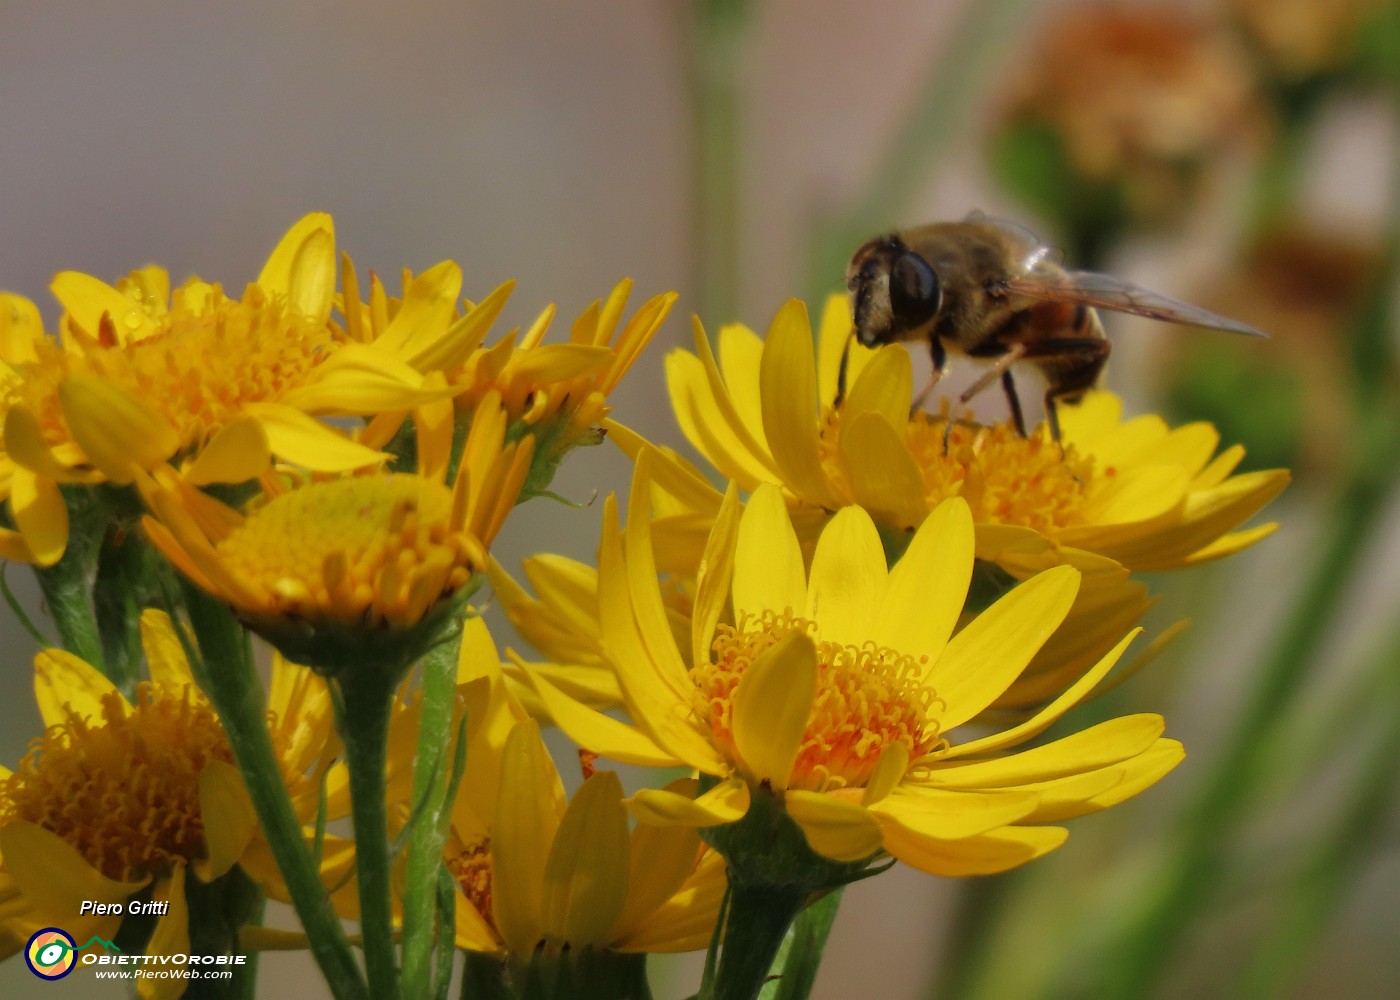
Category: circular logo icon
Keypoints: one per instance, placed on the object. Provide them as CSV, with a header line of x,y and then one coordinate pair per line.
x,y
51,953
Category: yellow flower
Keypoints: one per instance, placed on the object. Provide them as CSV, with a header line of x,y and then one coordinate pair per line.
x,y
542,876
1143,494
213,383
328,570
119,800
838,691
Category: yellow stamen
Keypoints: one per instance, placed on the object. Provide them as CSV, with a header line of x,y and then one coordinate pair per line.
x,y
868,698
472,870
123,790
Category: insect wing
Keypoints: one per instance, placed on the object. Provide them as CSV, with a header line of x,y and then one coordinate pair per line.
x,y
1103,291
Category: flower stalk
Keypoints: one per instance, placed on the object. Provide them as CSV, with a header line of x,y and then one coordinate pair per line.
x,y
367,697
225,671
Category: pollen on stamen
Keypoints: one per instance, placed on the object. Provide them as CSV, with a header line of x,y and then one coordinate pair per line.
x,y
122,789
867,698
471,869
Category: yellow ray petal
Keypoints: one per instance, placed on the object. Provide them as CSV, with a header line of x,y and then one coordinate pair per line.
x,y
115,429
768,570
600,733
1089,749
849,579
585,880
660,859
984,658
86,299
1125,780
942,814
229,819
165,657
51,873
303,440
771,705
425,313
237,452
727,446
40,514
171,937
740,354
1043,719
928,586
789,385
714,576
302,266
450,351
25,445
832,335
62,679
884,477
21,327
885,387
1002,850
727,802
835,828
686,921
526,822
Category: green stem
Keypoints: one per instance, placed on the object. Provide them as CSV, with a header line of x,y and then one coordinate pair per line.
x,y
228,676
1318,884
804,956
67,584
759,917
717,37
430,777
368,695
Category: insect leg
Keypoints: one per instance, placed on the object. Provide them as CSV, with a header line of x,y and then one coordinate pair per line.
x,y
940,369
841,370
1072,366
1008,386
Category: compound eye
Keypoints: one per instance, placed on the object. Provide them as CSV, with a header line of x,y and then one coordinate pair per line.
x,y
914,291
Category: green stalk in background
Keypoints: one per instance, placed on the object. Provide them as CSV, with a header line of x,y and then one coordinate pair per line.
x,y
717,30
1317,886
1151,937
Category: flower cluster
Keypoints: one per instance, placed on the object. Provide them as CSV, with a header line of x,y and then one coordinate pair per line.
x,y
852,651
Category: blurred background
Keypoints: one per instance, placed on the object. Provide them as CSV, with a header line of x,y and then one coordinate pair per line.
x,y
1236,153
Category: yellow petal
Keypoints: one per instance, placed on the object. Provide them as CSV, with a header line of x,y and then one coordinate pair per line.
x,y
789,384
835,828
1089,749
725,444
660,859
727,802
848,580
771,706
63,680
302,266
361,379
451,350
984,658
40,514
1043,719
585,881
740,355
427,309
953,815
237,452
686,921
768,570
928,586
165,657
600,733
86,299
52,875
884,477
885,387
305,441
25,444
988,854
832,336
171,937
115,429
229,819
526,822
21,328
714,576
1126,780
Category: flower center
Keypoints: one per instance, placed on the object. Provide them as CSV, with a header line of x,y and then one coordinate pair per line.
x,y
376,546
124,790
1005,478
472,870
198,369
867,698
